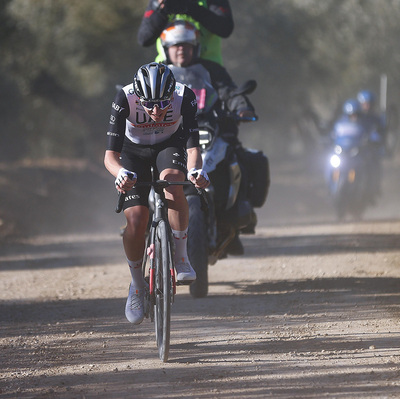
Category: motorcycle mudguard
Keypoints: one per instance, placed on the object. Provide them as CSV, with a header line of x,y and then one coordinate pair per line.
x,y
215,155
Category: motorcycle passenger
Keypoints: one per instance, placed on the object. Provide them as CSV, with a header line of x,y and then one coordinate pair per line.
x,y
376,126
374,122
353,123
182,48
213,18
153,123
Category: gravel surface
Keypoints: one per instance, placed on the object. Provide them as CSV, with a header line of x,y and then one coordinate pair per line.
x,y
310,311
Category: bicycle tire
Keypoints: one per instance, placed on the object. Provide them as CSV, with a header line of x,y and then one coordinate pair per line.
x,y
163,289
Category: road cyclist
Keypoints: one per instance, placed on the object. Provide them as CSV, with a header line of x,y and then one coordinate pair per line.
x,y
153,126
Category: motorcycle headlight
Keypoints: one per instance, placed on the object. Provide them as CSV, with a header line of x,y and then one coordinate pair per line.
x,y
205,138
335,161
338,149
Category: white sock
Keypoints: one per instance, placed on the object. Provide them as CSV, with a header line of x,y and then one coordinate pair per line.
x,y
135,268
180,239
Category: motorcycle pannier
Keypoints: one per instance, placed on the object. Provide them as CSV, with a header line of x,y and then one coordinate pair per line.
x,y
258,175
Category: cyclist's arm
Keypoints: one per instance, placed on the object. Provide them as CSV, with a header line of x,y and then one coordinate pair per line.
x,y
115,140
194,159
124,181
116,127
112,162
194,164
189,125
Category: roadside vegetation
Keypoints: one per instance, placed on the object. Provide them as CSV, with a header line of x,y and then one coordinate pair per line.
x,y
60,61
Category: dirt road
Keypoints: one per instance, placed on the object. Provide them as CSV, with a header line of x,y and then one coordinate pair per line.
x,y
310,311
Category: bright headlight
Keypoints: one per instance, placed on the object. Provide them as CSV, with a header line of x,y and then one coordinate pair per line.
x,y
335,161
205,138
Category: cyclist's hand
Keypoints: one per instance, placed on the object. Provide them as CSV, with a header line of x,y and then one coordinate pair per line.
x,y
125,180
198,177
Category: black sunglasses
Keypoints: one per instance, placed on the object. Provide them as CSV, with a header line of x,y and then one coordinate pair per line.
x,y
160,104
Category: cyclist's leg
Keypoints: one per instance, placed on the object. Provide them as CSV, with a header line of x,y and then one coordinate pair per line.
x,y
136,159
178,211
137,213
171,162
134,236
134,241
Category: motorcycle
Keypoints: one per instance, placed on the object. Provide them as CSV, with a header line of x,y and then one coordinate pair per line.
x,y
350,170
239,178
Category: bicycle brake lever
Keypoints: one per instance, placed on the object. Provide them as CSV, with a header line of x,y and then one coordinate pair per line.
x,y
121,199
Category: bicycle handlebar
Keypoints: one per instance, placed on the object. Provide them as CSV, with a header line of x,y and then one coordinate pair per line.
x,y
159,184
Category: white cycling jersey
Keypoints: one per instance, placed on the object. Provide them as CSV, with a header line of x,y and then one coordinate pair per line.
x,y
129,119
141,129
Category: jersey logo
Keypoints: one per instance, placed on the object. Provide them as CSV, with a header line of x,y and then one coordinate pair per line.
x,y
117,107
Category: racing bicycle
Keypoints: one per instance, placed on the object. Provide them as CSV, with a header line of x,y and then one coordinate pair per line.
x,y
158,263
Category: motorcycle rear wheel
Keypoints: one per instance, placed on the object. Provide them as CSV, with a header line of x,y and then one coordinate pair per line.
x,y
198,247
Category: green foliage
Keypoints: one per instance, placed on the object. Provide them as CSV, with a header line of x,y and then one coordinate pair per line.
x,y
328,49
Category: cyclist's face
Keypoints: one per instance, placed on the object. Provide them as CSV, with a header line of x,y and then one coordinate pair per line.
x,y
181,54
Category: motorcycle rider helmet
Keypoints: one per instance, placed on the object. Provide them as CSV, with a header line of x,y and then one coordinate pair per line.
x,y
180,32
351,107
366,96
154,82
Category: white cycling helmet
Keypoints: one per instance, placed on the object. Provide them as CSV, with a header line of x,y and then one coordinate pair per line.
x,y
179,32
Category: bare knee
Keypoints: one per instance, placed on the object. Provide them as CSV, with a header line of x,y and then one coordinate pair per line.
x,y
174,193
136,219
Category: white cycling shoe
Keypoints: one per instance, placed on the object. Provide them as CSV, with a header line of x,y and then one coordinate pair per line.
x,y
185,273
134,308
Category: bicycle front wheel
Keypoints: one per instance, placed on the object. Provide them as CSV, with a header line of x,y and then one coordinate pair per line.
x,y
163,289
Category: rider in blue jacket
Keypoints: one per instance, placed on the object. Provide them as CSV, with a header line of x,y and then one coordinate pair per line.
x,y
376,127
374,122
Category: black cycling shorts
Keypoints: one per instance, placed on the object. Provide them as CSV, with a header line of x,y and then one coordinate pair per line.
x,y
170,154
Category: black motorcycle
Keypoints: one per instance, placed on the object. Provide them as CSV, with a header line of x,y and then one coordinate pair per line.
x,y
239,178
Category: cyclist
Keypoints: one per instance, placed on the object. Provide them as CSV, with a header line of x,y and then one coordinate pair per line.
x,y
213,18
153,123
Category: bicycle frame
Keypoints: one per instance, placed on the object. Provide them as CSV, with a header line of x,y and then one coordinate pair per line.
x,y
158,264
160,213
